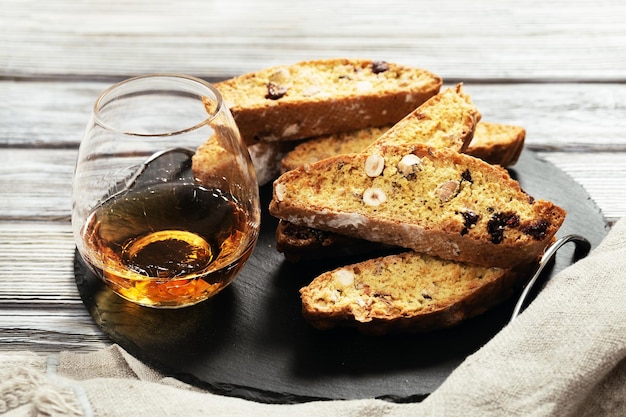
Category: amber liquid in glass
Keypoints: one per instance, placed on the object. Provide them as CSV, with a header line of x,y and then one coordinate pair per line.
x,y
168,245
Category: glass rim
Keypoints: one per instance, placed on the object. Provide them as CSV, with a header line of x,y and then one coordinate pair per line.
x,y
99,103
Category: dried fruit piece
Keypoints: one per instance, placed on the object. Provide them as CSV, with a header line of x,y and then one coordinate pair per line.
x,y
274,91
379,66
374,165
374,197
467,176
469,220
498,222
536,229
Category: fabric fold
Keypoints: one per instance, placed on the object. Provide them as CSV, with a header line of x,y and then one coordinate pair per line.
x,y
565,355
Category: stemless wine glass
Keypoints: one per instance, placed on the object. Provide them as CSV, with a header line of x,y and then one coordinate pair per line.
x,y
162,224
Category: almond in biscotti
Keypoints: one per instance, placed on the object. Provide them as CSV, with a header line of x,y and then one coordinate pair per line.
x,y
409,164
374,165
374,197
457,207
448,190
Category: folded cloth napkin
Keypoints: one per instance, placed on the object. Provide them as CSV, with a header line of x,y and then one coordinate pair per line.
x,y
565,355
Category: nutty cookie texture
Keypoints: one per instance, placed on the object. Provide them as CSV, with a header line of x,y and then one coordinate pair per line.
x,y
318,97
447,204
407,292
495,143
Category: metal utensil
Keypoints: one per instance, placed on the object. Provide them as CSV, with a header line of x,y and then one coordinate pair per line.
x,y
583,246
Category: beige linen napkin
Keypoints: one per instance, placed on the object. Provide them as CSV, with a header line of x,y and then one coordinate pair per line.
x,y
565,355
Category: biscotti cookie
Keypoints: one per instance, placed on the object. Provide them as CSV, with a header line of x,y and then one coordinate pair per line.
x,y
446,120
299,243
433,201
498,144
408,292
266,157
319,97
302,243
322,147
494,143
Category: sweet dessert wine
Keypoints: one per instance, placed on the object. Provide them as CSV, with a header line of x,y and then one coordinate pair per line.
x,y
168,244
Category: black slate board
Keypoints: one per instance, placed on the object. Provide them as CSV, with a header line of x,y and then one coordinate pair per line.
x,y
250,341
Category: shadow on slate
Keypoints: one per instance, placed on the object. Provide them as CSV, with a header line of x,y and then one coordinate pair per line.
x,y
251,342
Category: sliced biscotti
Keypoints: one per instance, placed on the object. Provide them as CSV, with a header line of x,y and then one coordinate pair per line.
x,y
322,147
405,292
300,243
447,120
495,143
433,201
498,144
319,97
210,157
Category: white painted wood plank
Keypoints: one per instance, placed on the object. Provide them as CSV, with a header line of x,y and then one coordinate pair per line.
x,y
36,183
45,113
491,46
40,308
571,116
459,40
602,175
49,330
36,264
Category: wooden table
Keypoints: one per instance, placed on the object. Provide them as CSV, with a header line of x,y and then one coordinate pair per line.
x,y
558,68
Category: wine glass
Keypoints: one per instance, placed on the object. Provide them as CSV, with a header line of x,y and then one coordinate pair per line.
x,y
165,197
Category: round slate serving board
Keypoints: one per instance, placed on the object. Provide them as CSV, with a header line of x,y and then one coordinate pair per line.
x,y
250,341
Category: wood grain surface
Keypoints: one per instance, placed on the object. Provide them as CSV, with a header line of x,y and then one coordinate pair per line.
x,y
557,68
